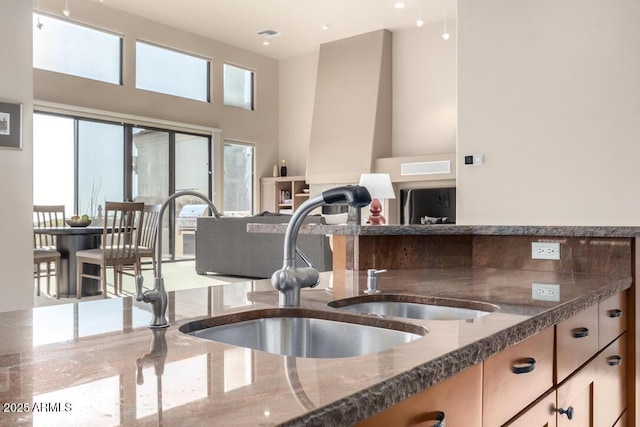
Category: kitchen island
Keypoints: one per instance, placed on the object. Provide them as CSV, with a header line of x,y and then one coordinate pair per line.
x,y
96,362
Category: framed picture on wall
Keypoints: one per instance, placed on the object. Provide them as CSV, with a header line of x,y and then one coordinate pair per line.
x,y
10,125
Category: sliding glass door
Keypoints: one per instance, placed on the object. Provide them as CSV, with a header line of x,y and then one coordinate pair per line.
x,y
149,165
53,161
192,172
238,178
100,166
82,163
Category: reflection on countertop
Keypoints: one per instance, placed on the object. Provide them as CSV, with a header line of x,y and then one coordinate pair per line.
x,y
76,364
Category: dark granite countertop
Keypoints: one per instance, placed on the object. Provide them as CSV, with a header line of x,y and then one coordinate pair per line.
x,y
91,363
451,229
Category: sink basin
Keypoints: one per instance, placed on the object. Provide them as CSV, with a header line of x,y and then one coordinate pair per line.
x,y
415,307
305,333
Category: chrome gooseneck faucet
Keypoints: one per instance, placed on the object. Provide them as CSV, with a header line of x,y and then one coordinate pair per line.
x,y
158,295
289,280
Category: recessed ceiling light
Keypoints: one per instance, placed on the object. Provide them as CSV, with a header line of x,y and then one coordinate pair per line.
x,y
325,27
266,43
398,5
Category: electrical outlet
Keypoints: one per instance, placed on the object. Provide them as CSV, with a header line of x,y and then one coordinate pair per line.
x,y
545,291
545,250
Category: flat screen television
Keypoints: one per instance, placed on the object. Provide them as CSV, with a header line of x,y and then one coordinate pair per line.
x,y
428,205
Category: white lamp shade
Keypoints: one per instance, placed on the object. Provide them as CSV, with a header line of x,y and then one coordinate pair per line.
x,y
378,184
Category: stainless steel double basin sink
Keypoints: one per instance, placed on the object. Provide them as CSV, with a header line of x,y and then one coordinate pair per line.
x,y
414,307
343,332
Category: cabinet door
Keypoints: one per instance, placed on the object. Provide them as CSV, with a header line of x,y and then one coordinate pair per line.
x,y
268,198
576,341
516,377
542,414
575,399
458,398
610,387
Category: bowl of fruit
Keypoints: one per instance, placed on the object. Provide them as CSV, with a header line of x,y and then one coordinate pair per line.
x,y
79,221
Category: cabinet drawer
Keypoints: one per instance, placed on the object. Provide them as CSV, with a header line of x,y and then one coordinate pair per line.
x,y
576,341
542,414
612,319
505,392
458,398
610,391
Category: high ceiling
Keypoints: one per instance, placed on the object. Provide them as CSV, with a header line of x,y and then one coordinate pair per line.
x,y
297,22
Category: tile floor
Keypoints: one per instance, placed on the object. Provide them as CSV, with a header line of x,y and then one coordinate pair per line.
x,y
177,275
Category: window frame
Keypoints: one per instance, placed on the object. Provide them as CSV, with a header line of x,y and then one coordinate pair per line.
x,y
207,61
253,86
252,145
119,36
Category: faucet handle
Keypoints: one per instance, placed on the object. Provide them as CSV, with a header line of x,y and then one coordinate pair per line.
x,y
139,282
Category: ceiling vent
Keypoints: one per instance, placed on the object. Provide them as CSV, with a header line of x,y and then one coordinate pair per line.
x,y
267,34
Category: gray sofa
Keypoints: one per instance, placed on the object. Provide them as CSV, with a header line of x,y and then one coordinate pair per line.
x,y
225,247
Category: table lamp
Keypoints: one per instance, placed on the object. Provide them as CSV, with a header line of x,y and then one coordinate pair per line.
x,y
380,187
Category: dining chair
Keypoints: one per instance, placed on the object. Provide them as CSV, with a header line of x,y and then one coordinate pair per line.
x,y
120,240
148,237
44,245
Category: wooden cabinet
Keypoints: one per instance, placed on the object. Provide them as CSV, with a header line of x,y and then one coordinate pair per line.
x,y
575,399
610,393
516,387
597,392
541,414
576,341
283,194
516,377
622,421
612,319
594,395
458,400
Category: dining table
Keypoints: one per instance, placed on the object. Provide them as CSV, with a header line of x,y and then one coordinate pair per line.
x,y
70,240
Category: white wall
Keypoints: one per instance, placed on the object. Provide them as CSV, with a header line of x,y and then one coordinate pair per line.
x,y
16,166
297,83
351,124
549,91
424,96
424,91
259,126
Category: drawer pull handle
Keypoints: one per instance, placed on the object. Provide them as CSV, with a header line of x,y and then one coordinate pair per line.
x,y
568,411
580,332
526,366
614,360
614,313
429,416
440,419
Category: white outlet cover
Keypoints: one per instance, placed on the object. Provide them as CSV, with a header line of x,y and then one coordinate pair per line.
x,y
545,291
545,250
